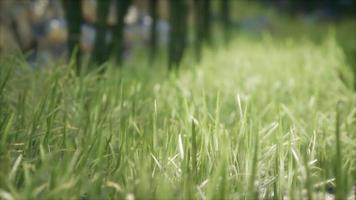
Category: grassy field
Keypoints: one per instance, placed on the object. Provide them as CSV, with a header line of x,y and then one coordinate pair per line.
x,y
261,119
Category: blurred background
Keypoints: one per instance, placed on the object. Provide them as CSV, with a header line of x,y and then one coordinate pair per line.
x,y
95,31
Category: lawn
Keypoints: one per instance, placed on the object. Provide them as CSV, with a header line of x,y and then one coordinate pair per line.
x,y
262,118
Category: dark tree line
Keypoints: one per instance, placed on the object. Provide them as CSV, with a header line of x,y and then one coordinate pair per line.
x,y
178,32
102,51
333,8
202,11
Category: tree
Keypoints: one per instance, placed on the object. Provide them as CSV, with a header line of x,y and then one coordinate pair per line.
x,y
199,29
206,12
202,25
153,34
225,16
73,14
100,52
178,32
122,7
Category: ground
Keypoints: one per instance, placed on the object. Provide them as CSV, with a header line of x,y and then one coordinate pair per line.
x,y
262,117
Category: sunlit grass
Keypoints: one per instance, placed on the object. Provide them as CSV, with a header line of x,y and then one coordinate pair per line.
x,y
255,120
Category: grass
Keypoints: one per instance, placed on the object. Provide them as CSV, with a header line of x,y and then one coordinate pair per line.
x,y
260,119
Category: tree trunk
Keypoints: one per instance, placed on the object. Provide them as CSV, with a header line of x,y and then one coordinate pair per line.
x,y
122,7
225,16
206,12
100,52
202,25
153,36
73,14
178,30
199,29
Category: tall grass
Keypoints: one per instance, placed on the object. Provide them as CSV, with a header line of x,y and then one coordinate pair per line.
x,y
256,120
